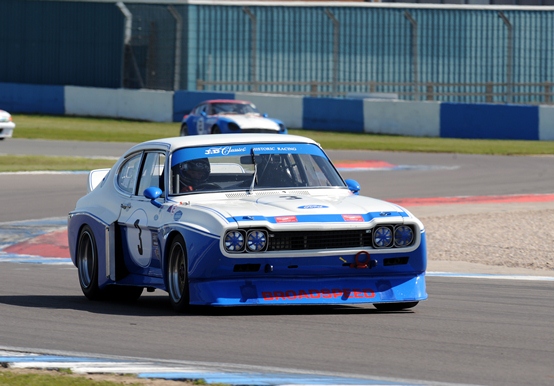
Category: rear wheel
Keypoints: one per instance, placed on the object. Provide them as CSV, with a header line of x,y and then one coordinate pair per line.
x,y
395,306
177,275
184,130
87,264
216,130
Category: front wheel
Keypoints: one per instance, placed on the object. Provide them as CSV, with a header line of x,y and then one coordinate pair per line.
x,y
87,264
395,306
184,130
177,275
216,130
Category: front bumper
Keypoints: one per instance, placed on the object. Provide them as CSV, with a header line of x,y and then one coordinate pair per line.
x,y
310,291
6,129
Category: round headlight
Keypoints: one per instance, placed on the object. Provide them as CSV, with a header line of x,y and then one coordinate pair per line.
x,y
234,241
256,241
382,237
403,236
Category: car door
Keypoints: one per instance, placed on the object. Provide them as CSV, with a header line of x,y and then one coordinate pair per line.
x,y
203,125
139,219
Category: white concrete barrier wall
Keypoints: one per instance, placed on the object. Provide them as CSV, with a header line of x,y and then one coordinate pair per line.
x,y
287,108
546,123
147,105
420,119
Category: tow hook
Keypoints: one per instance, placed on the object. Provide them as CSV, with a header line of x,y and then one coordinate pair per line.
x,y
363,260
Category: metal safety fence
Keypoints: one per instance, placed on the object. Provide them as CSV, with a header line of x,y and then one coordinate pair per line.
x,y
496,54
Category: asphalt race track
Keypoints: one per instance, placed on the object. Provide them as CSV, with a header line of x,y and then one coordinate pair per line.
x,y
480,330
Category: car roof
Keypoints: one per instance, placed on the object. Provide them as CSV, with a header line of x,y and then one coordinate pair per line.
x,y
174,143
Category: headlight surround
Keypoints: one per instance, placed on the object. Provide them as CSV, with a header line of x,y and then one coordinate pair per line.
x,y
383,237
256,240
234,241
403,236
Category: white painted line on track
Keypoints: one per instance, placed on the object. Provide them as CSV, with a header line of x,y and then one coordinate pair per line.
x,y
222,373
490,276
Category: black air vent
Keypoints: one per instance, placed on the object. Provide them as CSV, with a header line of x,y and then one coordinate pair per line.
x,y
246,268
395,261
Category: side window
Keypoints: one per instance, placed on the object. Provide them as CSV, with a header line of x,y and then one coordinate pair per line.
x,y
128,172
152,172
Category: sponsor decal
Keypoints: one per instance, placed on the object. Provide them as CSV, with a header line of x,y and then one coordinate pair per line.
x,y
312,207
323,293
283,219
352,217
177,215
224,150
275,148
264,148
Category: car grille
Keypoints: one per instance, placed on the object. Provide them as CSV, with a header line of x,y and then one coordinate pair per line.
x,y
294,241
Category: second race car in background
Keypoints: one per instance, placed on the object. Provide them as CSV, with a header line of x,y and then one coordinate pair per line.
x,y
225,116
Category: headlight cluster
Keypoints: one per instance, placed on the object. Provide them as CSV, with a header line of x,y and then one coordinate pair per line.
x,y
389,236
253,240
261,240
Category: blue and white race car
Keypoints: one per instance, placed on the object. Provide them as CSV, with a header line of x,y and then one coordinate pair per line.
x,y
232,220
229,116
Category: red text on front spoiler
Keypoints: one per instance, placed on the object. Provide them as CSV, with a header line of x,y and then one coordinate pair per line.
x,y
324,293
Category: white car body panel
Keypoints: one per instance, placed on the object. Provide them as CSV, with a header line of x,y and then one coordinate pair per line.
x,y
253,121
6,125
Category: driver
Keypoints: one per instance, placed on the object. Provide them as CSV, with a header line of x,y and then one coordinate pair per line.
x,y
193,174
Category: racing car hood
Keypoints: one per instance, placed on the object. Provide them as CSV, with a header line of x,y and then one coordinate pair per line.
x,y
305,208
252,121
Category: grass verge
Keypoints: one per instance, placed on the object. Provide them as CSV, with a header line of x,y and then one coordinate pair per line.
x,y
64,377
117,130
17,163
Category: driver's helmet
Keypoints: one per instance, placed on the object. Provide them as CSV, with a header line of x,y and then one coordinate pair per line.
x,y
195,171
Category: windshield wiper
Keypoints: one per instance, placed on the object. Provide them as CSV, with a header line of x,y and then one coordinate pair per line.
x,y
254,178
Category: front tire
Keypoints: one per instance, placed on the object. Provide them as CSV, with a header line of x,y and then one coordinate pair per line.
x,y
216,130
87,264
395,306
184,130
177,275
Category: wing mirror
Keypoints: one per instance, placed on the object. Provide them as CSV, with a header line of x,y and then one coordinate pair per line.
x,y
152,193
354,186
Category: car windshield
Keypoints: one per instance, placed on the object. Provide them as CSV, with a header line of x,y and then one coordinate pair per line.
x,y
251,167
233,108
